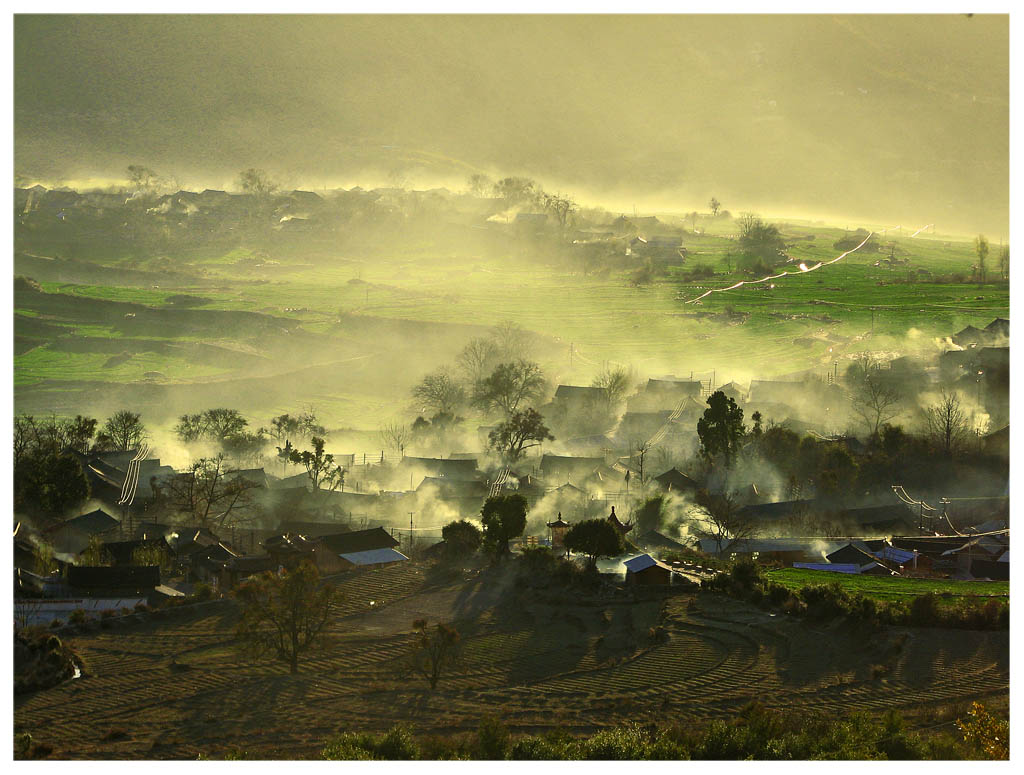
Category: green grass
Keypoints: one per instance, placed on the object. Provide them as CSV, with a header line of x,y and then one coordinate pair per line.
x,y
890,589
605,319
42,363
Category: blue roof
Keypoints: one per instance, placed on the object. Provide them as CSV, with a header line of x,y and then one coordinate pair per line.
x,y
833,567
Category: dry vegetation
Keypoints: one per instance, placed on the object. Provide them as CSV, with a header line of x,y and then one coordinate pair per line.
x,y
173,686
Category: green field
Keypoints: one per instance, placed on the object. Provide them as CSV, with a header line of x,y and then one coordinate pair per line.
x,y
891,589
814,320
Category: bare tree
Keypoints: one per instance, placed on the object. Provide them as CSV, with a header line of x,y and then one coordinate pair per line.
x,y
395,436
479,184
562,207
723,522
946,422
1004,262
873,398
509,385
478,357
123,431
512,341
256,182
208,494
981,248
640,448
715,205
435,650
141,178
440,391
614,383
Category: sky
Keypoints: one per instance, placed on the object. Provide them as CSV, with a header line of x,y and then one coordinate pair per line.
x,y
873,119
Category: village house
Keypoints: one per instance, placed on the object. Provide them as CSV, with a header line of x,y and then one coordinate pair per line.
x,y
644,570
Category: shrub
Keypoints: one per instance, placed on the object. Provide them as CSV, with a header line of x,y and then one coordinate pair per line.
x,y
492,739
55,624
397,744
107,613
620,743
78,616
984,733
203,591
924,610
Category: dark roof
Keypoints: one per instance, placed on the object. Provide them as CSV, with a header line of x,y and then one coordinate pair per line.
x,y
430,466
930,545
969,334
990,569
153,530
999,326
121,551
674,479
881,517
622,528
93,523
256,476
674,387
454,488
579,392
250,564
559,522
561,465
851,554
289,543
312,529
652,539
778,510
358,541
138,579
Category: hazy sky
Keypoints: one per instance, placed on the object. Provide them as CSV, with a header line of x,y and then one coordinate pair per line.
x,y
884,118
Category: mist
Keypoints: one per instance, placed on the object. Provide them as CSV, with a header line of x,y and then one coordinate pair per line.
x,y
876,119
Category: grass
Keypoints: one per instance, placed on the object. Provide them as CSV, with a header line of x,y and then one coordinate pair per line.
x,y
890,589
42,363
808,321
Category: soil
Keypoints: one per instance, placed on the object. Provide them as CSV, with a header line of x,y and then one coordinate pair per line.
x,y
178,688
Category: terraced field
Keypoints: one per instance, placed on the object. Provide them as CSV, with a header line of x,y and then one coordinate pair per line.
x,y
176,687
804,321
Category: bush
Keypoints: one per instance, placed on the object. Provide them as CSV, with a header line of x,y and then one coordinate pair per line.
x,y
620,744
492,739
107,613
55,624
78,616
203,592
924,610
397,745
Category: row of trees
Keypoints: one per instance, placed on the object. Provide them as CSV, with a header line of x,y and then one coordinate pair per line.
x,y
48,478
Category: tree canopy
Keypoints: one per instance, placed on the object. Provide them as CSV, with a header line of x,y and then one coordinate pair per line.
x,y
509,385
518,433
594,538
503,518
721,428
284,615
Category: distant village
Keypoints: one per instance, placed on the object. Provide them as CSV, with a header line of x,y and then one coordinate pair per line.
x,y
133,547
